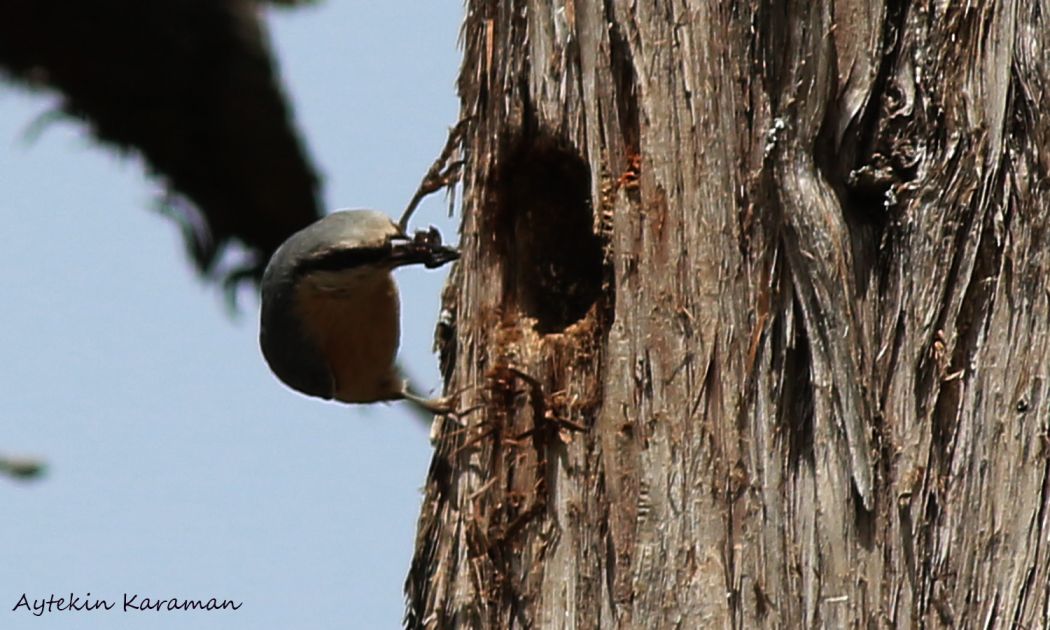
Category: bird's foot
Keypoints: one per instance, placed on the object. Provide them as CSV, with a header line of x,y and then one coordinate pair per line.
x,y
424,248
439,406
443,408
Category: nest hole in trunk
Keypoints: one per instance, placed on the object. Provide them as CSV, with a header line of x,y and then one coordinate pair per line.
x,y
544,229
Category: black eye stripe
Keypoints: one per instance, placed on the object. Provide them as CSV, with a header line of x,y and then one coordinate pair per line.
x,y
396,253
342,259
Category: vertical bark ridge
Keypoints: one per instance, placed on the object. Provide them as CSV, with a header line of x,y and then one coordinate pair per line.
x,y
753,302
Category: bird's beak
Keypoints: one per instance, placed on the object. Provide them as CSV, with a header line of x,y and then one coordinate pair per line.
x,y
424,248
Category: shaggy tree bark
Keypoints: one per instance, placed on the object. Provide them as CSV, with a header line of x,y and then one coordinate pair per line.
x,y
754,302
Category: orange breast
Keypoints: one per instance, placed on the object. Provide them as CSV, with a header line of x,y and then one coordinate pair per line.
x,y
356,324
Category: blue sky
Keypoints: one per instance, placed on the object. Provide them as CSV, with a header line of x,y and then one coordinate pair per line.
x,y
178,465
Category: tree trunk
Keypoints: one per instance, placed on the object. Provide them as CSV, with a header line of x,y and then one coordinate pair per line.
x,y
754,302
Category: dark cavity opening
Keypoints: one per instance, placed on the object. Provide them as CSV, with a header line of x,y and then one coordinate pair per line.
x,y
544,227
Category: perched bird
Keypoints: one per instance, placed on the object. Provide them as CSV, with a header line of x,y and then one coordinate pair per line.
x,y
330,308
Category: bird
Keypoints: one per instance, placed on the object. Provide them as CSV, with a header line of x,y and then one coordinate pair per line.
x,y
330,309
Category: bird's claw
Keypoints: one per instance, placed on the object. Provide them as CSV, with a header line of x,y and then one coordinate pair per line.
x,y
423,248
